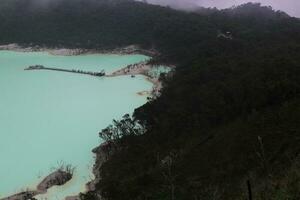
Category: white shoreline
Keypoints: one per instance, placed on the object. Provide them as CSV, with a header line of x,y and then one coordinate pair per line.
x,y
132,49
58,177
142,68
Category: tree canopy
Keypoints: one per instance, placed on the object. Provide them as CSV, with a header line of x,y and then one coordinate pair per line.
x,y
227,93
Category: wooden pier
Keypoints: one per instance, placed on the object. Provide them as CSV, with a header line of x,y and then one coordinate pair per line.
x,y
41,67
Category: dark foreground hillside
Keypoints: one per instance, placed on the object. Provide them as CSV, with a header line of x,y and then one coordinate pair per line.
x,y
230,114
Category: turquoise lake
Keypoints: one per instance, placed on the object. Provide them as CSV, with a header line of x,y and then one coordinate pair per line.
x,y
49,117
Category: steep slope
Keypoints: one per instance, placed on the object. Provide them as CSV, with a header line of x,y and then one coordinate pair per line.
x,y
229,114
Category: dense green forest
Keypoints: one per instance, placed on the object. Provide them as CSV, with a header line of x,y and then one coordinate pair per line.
x,y
230,113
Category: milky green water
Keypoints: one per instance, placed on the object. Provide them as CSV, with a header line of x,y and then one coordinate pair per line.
x,y
48,117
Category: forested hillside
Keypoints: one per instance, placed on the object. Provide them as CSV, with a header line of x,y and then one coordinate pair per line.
x,y
230,113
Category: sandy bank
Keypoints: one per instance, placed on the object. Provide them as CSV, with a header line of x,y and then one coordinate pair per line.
x,y
132,49
59,177
142,68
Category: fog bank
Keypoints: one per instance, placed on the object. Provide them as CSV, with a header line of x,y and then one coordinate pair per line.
x,y
292,7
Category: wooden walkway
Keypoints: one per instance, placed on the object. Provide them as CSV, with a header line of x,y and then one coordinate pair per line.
x,y
41,67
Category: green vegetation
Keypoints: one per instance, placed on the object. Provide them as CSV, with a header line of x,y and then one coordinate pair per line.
x,y
230,113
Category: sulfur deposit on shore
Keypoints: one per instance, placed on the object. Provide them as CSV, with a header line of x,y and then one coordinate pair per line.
x,y
142,68
104,151
132,49
59,177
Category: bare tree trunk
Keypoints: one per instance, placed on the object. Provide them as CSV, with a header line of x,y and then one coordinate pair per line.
x,y
249,189
172,192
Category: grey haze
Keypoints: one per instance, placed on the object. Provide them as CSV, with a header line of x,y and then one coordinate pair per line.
x,y
292,7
